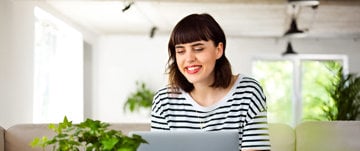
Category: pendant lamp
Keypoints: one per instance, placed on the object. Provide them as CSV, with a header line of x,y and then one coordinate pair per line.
x,y
289,50
294,31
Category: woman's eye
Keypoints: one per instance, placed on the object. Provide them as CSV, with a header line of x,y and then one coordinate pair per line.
x,y
198,49
179,51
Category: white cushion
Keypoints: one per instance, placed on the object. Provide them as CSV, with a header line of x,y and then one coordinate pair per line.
x,y
328,136
282,137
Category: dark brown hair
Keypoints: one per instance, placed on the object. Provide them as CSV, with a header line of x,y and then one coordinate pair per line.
x,y
197,27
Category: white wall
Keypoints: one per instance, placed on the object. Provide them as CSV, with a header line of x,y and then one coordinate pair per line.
x,y
15,63
119,61
113,64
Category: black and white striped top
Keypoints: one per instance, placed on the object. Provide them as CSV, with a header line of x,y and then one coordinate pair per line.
x,y
243,109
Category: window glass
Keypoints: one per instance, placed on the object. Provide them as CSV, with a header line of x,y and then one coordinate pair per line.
x,y
317,76
276,78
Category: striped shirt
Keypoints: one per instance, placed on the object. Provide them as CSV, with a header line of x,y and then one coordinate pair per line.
x,y
243,109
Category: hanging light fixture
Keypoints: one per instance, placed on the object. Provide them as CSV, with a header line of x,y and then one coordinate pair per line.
x,y
126,7
294,31
289,50
152,31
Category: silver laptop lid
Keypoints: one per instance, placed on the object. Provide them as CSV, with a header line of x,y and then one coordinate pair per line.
x,y
189,141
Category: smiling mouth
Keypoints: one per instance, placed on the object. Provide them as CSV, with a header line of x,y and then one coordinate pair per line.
x,y
192,69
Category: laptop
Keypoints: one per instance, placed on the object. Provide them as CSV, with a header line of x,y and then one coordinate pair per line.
x,y
189,140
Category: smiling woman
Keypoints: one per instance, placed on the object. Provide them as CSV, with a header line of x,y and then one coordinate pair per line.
x,y
203,94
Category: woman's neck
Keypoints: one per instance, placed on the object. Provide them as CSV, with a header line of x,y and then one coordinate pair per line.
x,y
206,95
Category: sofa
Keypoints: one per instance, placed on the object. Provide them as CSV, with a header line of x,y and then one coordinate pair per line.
x,y
307,136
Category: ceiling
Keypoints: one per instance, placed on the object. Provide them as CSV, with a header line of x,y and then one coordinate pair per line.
x,y
239,18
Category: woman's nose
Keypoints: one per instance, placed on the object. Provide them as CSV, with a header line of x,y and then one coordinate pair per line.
x,y
190,57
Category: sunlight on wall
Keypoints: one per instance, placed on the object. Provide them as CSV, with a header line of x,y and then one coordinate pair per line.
x,y
58,70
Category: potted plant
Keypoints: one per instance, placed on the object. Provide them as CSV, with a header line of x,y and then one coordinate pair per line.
x,y
90,135
344,103
141,98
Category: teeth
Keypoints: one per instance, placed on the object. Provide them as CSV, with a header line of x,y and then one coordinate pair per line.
x,y
192,68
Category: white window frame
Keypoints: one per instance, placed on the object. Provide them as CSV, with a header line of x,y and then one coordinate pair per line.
x,y
296,60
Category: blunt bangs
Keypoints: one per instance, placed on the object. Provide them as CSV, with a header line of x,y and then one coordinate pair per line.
x,y
197,27
190,32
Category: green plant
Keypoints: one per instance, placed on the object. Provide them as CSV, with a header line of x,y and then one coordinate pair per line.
x,y
141,98
344,92
90,135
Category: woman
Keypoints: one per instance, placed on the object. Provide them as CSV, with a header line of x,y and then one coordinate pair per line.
x,y
204,95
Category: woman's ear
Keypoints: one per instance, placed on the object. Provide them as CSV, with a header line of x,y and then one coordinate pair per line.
x,y
219,50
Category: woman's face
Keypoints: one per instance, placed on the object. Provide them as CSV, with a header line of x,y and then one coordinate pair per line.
x,y
196,60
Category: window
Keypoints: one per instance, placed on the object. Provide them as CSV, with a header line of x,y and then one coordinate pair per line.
x,y
293,85
58,70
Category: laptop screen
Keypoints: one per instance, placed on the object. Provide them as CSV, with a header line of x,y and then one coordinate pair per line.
x,y
189,140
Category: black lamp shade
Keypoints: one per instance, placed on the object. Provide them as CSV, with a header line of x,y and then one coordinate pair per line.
x,y
289,50
293,30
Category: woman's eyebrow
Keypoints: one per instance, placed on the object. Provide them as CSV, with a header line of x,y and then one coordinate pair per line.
x,y
197,44
194,44
179,46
